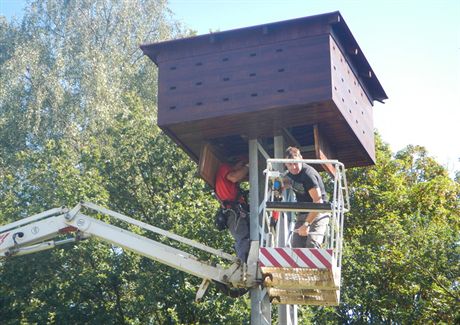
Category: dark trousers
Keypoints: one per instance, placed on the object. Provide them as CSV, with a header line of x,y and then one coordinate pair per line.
x,y
316,233
238,224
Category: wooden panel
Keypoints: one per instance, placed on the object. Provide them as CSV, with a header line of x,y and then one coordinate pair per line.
x,y
208,164
344,142
252,124
351,99
205,86
323,150
245,98
230,133
242,38
232,61
293,73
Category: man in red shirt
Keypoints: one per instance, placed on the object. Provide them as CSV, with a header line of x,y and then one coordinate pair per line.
x,y
228,178
227,189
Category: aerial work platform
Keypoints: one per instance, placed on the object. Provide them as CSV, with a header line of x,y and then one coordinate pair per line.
x,y
301,276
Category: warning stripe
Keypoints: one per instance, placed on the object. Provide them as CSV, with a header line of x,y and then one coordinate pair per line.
x,y
321,257
3,237
270,258
305,258
296,257
276,253
287,258
323,260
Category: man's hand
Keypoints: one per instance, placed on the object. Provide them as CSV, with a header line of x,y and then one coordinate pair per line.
x,y
302,230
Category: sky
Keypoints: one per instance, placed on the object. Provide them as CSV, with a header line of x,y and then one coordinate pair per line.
x,y
413,46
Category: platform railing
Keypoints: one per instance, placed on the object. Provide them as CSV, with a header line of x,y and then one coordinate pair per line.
x,y
337,206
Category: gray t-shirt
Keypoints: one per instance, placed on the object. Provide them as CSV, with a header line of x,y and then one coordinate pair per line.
x,y
304,181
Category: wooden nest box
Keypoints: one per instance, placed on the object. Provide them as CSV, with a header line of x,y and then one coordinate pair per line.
x,y
304,78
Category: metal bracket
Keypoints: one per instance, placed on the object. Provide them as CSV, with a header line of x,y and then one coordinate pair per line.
x,y
253,259
72,213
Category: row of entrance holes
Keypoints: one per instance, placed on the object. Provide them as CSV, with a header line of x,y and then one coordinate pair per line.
x,y
349,91
225,79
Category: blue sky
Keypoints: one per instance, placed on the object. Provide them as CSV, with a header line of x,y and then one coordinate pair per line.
x,y
412,46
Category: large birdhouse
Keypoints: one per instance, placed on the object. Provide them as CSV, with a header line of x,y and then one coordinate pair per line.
x,y
304,78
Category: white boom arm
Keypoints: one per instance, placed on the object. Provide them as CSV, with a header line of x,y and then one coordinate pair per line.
x,y
33,234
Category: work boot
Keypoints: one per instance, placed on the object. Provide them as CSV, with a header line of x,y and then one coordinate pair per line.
x,y
222,288
237,292
229,291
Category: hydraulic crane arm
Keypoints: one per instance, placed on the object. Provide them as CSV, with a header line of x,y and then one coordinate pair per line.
x,y
34,234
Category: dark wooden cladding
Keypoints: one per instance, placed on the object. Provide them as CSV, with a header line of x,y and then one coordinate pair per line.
x,y
241,38
285,74
252,125
323,150
227,62
225,88
350,98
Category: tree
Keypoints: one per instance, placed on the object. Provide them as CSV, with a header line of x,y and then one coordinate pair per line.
x,y
401,242
78,122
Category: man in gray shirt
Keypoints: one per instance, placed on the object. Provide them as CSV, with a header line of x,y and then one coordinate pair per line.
x,y
308,186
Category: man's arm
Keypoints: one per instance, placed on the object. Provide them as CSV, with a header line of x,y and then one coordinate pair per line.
x,y
315,194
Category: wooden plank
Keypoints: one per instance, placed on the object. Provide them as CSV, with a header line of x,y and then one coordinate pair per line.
x,y
351,99
323,151
246,59
300,278
208,164
241,38
261,96
244,123
183,92
305,297
206,81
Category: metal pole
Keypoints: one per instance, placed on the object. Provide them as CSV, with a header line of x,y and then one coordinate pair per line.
x,y
278,152
260,303
287,314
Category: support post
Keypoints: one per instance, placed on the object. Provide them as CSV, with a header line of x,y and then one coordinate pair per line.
x,y
254,189
287,314
278,153
260,303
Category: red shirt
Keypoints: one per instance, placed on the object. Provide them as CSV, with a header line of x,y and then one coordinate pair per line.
x,y
225,189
